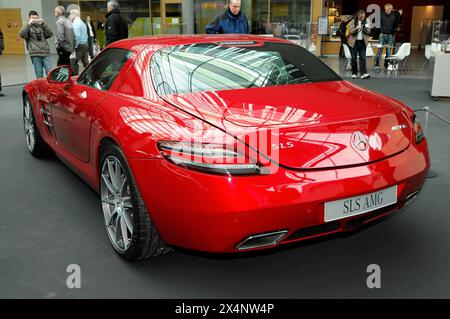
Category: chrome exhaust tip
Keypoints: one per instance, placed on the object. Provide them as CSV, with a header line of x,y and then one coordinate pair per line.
x,y
262,240
411,197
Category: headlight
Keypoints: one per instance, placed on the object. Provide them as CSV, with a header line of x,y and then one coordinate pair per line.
x,y
418,132
211,158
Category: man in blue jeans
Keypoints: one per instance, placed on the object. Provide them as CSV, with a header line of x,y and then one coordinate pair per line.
x,y
35,33
81,41
389,23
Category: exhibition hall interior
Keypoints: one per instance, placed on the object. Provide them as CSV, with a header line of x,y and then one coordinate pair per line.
x,y
225,149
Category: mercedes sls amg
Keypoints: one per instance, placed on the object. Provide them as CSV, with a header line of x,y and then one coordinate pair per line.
x,y
225,143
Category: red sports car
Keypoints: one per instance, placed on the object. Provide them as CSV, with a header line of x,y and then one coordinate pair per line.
x,y
225,143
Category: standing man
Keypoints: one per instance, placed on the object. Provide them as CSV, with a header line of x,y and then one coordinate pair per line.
x,y
92,37
389,24
65,37
359,38
35,33
2,47
233,20
81,41
116,27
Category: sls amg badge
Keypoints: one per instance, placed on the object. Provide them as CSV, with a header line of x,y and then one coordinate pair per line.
x,y
360,141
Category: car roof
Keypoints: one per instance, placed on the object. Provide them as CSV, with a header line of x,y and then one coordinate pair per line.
x,y
168,40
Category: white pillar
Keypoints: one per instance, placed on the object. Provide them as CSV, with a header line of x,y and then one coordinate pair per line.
x,y
188,16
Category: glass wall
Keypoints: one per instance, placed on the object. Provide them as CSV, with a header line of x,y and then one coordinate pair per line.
x,y
283,18
278,17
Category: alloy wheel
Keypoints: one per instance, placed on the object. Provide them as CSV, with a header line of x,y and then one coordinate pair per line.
x,y
116,203
28,123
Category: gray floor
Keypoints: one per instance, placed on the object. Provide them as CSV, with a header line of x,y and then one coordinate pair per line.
x,y
414,67
50,219
18,69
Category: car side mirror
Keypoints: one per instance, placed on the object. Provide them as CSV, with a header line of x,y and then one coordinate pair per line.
x,y
61,74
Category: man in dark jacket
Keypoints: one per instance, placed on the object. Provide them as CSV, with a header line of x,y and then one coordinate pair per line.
x,y
116,27
389,24
2,47
233,20
35,33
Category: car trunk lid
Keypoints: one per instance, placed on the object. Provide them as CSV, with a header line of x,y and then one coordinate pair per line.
x,y
313,126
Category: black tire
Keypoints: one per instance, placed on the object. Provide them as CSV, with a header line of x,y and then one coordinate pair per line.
x,y
145,240
37,147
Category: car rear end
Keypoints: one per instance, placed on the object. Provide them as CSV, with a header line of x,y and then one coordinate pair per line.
x,y
335,156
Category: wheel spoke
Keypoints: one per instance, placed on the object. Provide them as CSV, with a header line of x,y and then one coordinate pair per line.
x,y
111,172
124,231
128,222
109,184
117,229
114,174
31,136
27,111
119,178
123,184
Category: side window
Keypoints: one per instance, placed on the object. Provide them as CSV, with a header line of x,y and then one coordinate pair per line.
x,y
102,73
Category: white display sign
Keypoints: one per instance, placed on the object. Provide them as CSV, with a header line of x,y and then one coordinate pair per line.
x,y
322,26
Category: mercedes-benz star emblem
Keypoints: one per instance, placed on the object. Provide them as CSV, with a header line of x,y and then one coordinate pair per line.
x,y
360,141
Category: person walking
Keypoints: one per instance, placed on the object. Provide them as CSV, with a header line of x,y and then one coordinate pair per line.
x,y
65,36
2,47
92,36
81,41
116,27
35,33
389,24
358,41
232,20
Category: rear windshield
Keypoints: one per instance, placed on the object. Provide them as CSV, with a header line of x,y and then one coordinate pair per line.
x,y
215,67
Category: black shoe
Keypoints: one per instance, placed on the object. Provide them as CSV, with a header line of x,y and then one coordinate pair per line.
x,y
1,93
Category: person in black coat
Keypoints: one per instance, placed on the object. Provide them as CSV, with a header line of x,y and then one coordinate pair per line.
x,y
116,27
2,47
92,36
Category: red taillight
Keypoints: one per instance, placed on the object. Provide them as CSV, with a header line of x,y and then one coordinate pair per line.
x,y
418,132
212,158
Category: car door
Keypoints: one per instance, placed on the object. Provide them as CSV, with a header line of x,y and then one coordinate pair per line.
x,y
81,99
50,105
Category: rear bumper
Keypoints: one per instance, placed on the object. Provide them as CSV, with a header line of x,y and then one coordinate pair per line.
x,y
215,213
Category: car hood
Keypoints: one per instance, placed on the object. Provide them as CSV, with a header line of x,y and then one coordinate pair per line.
x,y
312,125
